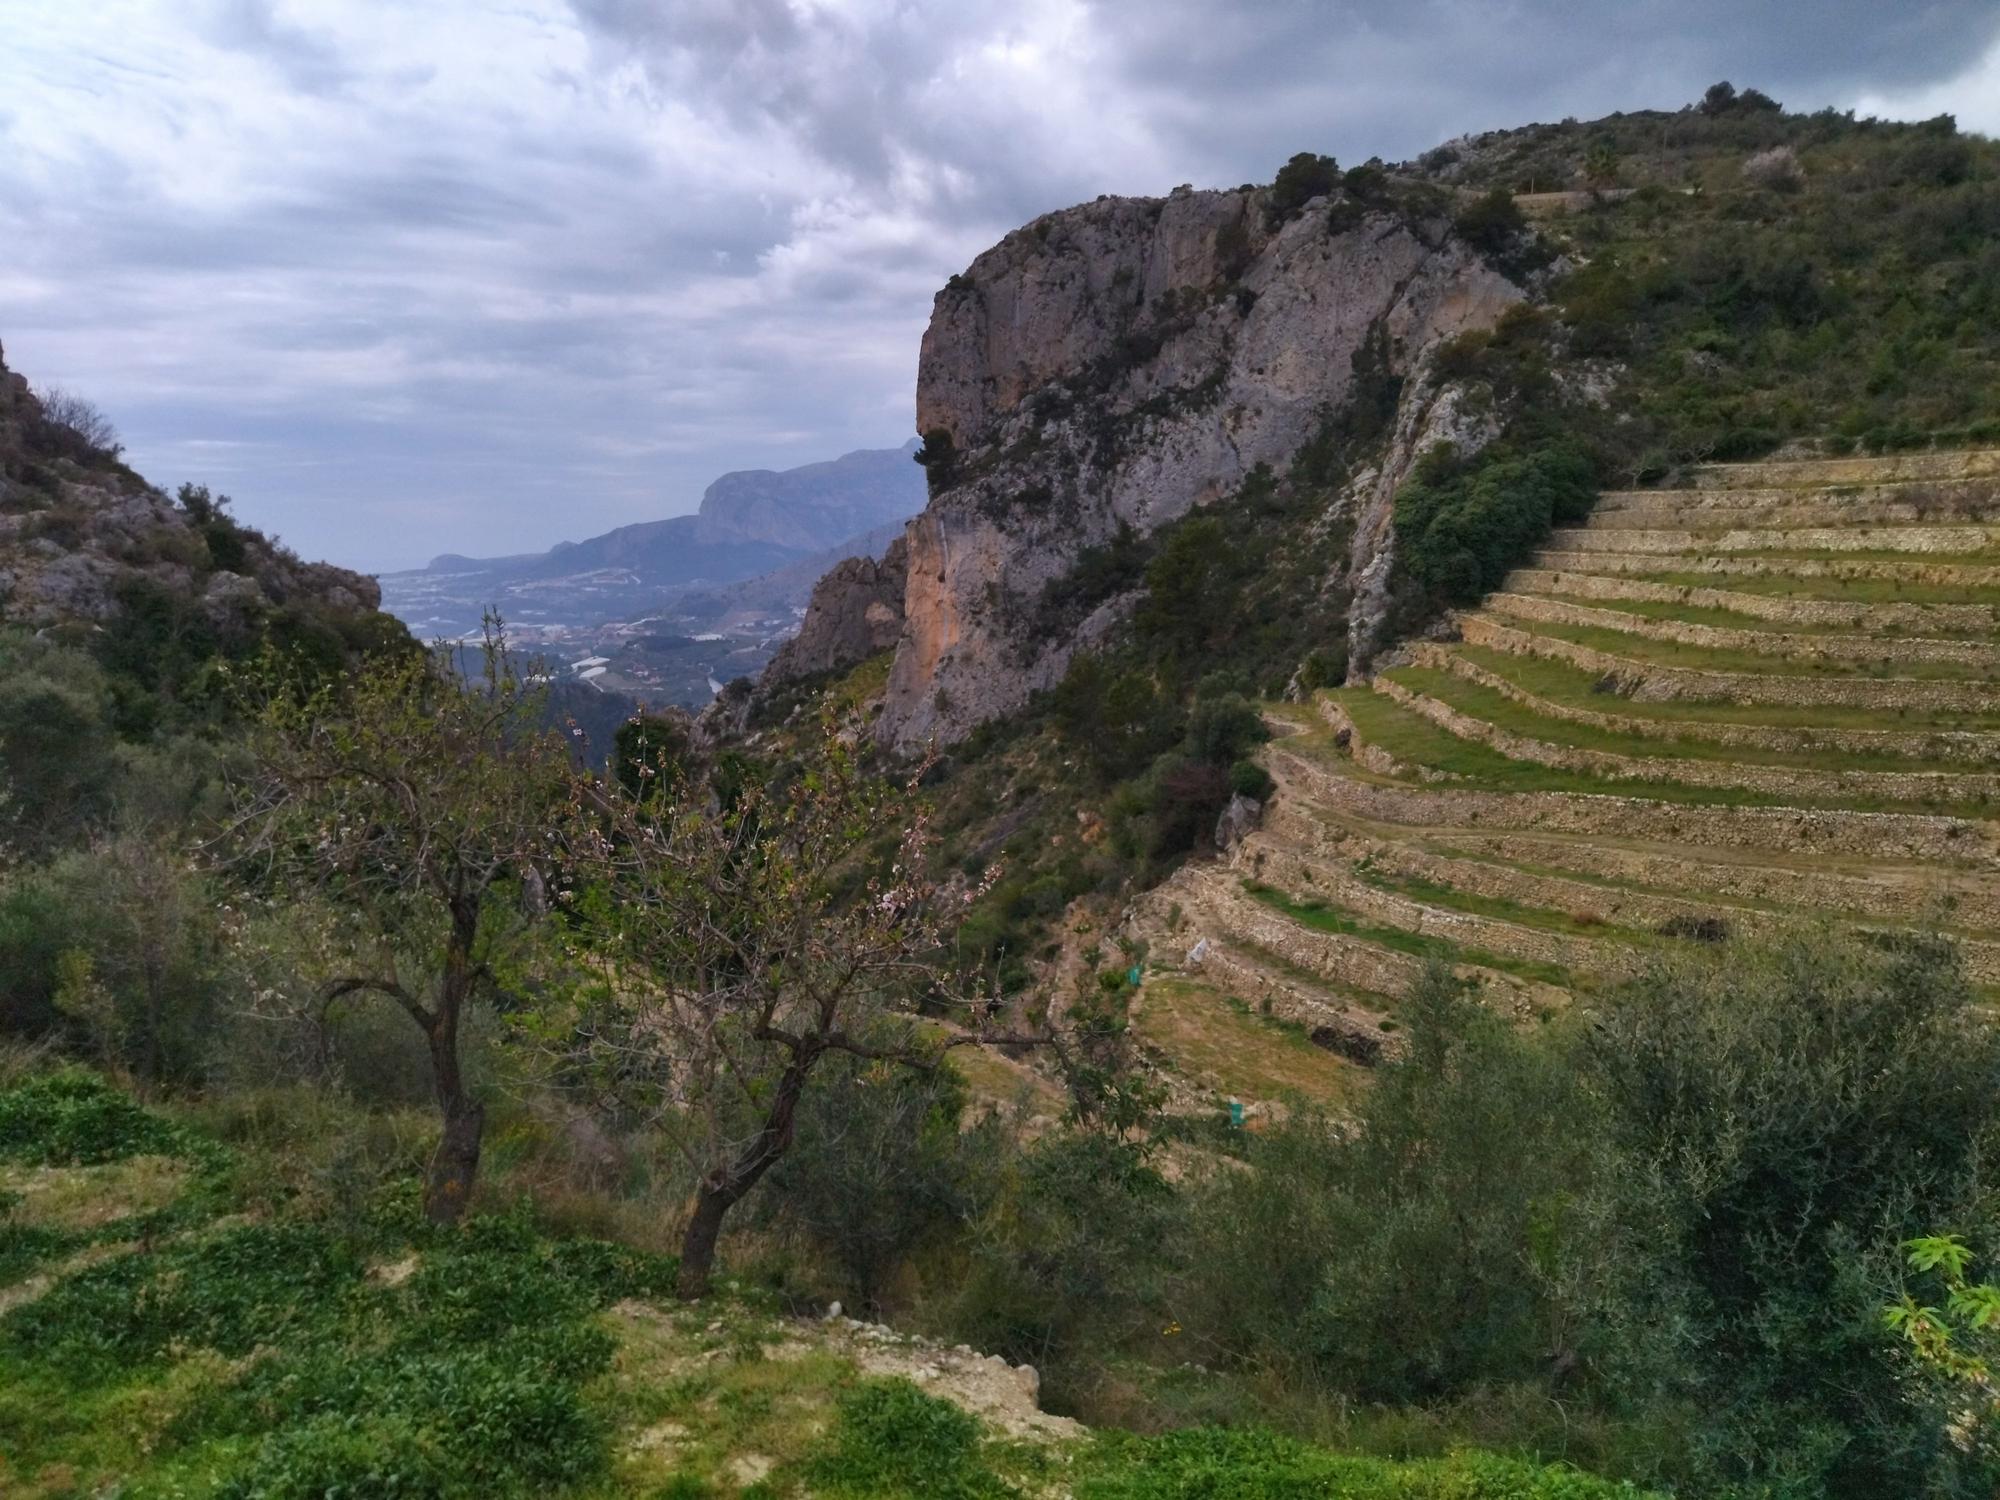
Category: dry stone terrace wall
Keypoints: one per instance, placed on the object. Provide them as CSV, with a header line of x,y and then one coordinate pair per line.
x,y
1825,473
1792,830
1982,655
1979,746
1652,683
1919,539
1913,893
1773,781
1802,569
1421,810
1820,612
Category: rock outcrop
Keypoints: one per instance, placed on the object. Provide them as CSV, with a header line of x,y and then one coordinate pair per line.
x,y
1119,363
856,610
79,532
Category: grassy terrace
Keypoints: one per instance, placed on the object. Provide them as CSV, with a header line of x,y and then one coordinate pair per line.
x,y
1573,686
1496,708
1322,917
1977,556
1414,739
1730,619
1217,1037
1501,908
1369,1000
1843,590
1727,659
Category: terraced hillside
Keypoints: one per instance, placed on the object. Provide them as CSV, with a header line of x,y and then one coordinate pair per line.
x,y
1708,709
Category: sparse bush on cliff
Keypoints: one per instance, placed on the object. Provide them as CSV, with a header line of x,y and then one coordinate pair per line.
x,y
76,427
1299,181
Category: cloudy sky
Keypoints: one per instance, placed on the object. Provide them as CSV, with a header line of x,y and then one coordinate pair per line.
x,y
481,275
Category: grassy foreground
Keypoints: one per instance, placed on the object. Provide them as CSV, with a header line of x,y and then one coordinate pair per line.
x,y
167,1331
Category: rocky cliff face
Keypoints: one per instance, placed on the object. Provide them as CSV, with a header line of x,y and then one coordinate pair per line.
x,y
79,532
1119,363
856,611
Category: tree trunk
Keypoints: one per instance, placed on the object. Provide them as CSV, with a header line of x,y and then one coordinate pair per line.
x,y
448,1184
698,1243
722,1189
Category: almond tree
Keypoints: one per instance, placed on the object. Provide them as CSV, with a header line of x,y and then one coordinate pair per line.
x,y
421,805
740,942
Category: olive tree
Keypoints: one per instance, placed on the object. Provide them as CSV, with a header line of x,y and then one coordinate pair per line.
x,y
422,804
742,935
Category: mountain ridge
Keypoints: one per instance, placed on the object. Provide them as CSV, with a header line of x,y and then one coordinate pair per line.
x,y
752,520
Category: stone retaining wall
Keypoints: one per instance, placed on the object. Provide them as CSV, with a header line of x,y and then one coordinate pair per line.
x,y
1651,683
1958,464
1937,893
1770,781
1785,510
1633,910
1976,746
1797,831
1339,886
1578,900
1847,649
1919,539
1893,570
1850,614
1929,496
1223,908
1932,892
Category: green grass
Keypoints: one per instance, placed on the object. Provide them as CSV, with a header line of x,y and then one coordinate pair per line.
x,y
1496,708
1978,556
894,1442
1220,1039
1477,903
292,1358
1731,619
1416,740
1561,682
1326,918
1645,649
1840,590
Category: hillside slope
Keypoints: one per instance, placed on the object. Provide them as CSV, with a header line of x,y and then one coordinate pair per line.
x,y
85,542
1771,694
178,1318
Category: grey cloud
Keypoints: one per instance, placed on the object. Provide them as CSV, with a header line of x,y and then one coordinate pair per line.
x,y
306,61
398,307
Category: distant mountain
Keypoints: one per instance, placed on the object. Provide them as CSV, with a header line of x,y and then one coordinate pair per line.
x,y
751,522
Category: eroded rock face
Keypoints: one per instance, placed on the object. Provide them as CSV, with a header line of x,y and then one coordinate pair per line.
x,y
78,530
856,610
1118,364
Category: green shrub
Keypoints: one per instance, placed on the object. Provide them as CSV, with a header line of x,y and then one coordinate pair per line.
x,y
1300,180
1248,779
74,1118
896,1443
1462,524
1789,1112
880,1169
1214,1464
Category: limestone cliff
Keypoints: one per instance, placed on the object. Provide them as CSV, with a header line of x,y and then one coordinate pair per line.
x,y
856,610
1119,363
